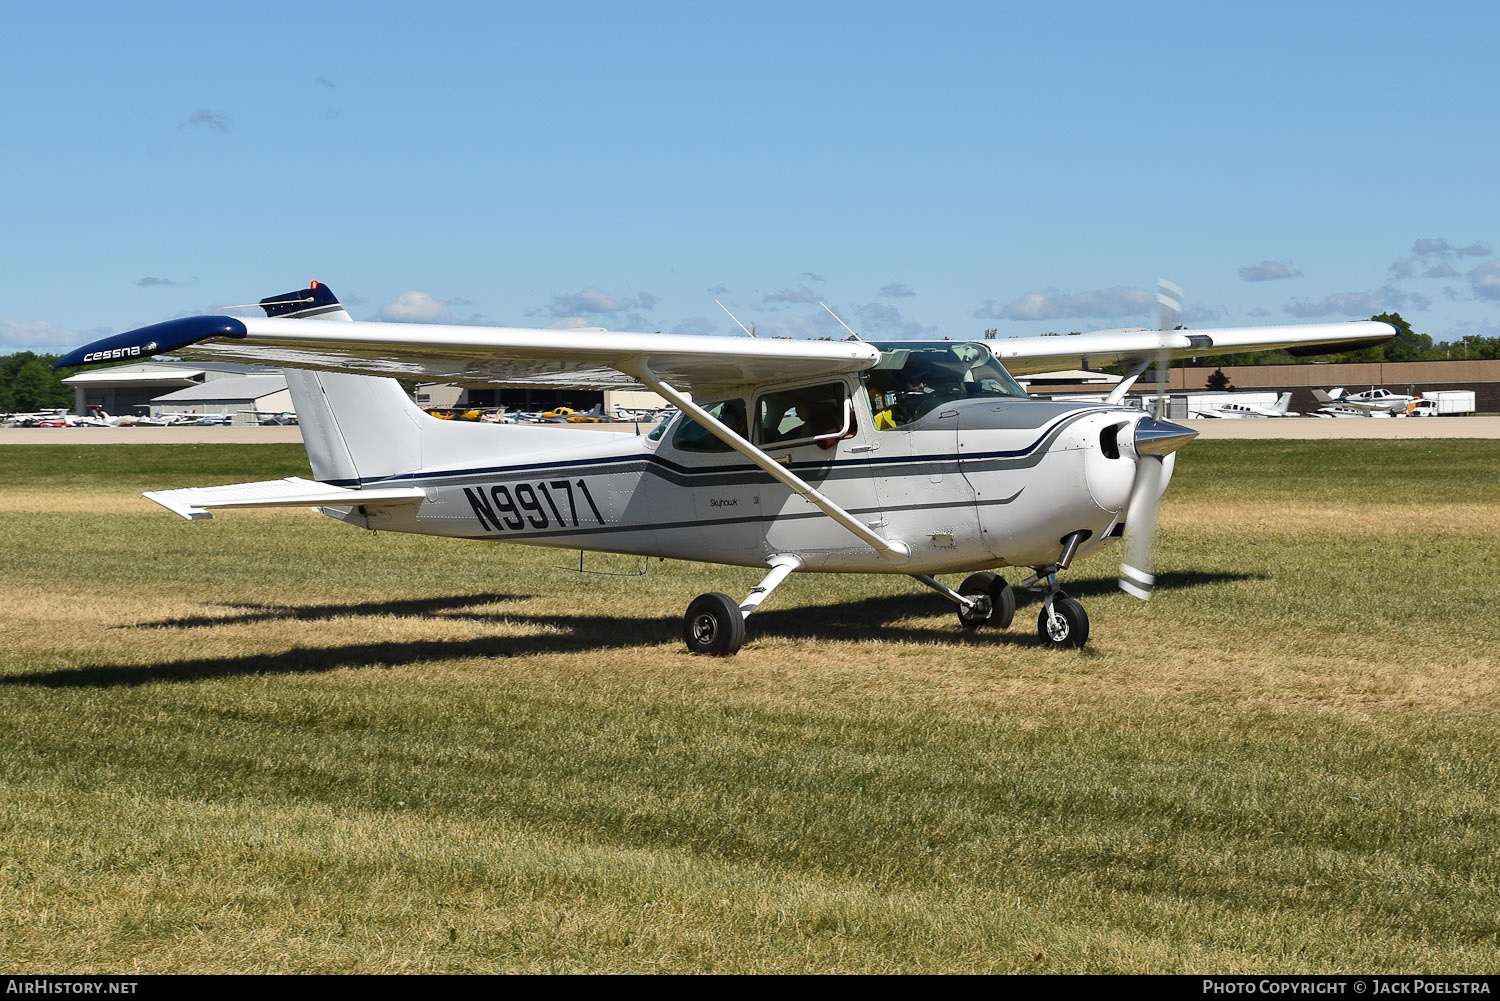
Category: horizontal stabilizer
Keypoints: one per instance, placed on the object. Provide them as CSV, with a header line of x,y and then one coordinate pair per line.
x,y
294,491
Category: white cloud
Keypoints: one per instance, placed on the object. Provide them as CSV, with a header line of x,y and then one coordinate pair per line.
x,y
696,325
1196,314
789,295
591,300
1268,271
36,335
799,326
597,302
813,276
884,320
1052,304
416,307
896,290
1485,280
1435,255
1443,249
1381,300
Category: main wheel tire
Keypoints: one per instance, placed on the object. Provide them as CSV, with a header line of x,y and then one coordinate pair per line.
x,y
1002,603
1071,628
713,625
1003,599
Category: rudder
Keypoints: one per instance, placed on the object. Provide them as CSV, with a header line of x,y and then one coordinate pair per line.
x,y
356,428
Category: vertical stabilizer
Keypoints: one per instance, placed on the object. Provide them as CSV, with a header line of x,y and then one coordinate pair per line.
x,y
360,429
356,428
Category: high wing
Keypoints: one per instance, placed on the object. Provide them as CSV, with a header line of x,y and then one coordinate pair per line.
x,y
299,334
1026,355
508,356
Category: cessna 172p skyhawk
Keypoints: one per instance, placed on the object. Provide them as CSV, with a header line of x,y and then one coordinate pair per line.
x,y
911,457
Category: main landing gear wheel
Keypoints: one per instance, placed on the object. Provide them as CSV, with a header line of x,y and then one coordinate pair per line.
x,y
714,625
1063,623
996,606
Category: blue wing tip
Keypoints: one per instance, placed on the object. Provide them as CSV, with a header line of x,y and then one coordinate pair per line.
x,y
155,339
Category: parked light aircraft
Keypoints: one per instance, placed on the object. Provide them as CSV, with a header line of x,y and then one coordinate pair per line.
x,y
1370,399
911,457
1238,411
55,417
98,417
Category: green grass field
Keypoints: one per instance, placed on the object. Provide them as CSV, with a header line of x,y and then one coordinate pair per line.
x,y
274,743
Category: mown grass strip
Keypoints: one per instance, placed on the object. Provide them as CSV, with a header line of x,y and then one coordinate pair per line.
x,y
271,742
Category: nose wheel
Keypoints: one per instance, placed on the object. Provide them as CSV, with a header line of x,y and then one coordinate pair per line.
x,y
1062,624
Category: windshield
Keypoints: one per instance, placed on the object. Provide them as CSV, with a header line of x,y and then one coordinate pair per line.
x,y
913,378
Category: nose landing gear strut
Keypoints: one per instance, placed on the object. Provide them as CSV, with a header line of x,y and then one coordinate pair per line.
x,y
1062,622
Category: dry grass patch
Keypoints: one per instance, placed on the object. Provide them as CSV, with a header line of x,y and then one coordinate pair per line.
x,y
1262,514
273,743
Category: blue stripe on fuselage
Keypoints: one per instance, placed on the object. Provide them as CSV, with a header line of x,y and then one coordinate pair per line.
x,y
437,477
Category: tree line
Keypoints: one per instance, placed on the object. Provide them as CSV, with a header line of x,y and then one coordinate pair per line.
x,y
1407,345
28,382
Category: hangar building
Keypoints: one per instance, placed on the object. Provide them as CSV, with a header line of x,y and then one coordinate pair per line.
x,y
144,387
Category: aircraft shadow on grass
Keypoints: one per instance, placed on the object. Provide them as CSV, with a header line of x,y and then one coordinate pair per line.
x,y
845,621
241,613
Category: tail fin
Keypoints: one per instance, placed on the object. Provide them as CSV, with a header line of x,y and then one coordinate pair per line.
x,y
1329,397
358,429
355,428
317,300
1283,403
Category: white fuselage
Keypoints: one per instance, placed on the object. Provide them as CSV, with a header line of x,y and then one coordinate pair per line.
x,y
979,483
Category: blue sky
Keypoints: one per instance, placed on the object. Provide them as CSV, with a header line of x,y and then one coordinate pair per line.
x,y
927,171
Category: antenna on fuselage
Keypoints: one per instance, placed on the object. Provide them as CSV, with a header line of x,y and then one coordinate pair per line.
x,y
736,319
841,322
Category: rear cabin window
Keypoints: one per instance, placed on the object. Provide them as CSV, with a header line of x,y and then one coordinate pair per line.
x,y
797,416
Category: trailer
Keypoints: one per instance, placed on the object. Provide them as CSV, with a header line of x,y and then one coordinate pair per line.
x,y
1443,403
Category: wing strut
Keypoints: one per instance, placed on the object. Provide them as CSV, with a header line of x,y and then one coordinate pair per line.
x,y
1117,395
889,550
